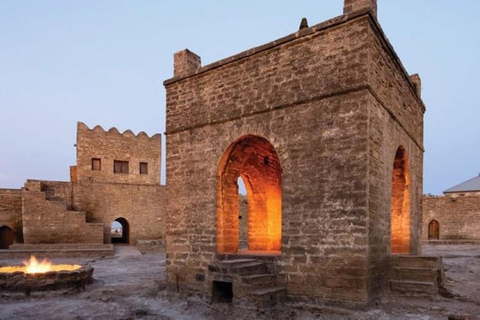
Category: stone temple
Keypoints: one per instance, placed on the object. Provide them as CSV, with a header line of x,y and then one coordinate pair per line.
x,y
325,128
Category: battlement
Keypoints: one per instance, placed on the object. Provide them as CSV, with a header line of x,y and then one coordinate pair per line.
x,y
111,156
82,127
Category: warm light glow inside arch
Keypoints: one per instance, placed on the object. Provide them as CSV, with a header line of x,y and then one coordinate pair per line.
x,y
255,160
400,219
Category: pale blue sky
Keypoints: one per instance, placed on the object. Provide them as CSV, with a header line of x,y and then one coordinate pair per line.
x,y
103,62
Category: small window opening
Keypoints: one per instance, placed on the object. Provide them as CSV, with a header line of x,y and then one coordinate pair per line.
x,y
266,161
120,166
143,168
222,291
96,164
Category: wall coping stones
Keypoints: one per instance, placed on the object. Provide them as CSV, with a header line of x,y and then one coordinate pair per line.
x,y
345,18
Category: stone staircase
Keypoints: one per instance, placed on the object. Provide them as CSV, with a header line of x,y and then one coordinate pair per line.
x,y
48,216
417,275
249,277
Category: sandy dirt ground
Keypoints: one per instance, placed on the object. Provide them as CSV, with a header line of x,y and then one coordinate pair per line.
x,y
132,286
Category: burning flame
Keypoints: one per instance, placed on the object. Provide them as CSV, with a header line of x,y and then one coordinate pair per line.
x,y
33,266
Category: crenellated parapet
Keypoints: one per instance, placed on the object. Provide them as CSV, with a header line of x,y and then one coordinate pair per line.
x,y
98,129
112,156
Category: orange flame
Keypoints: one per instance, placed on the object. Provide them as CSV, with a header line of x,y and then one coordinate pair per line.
x,y
33,266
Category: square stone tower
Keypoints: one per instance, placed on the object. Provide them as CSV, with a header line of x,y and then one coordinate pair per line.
x,y
325,128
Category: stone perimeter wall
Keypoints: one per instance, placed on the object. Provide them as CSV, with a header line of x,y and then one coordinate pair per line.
x,y
82,212
47,217
458,216
143,206
11,211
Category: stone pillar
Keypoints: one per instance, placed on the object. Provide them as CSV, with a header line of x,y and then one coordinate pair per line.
x,y
417,82
185,62
358,5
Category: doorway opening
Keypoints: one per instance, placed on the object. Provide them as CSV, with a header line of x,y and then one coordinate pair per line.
x,y
434,230
254,160
119,231
6,237
400,212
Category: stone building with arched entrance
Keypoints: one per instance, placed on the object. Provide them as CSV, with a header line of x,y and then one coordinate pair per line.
x,y
455,215
325,127
116,178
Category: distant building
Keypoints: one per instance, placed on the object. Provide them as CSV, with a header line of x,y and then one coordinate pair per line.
x,y
455,215
117,178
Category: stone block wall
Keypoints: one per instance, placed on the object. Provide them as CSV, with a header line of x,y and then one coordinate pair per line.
x,y
109,146
458,216
396,120
11,211
335,103
46,221
142,205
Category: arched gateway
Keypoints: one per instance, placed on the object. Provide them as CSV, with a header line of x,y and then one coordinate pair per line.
x,y
120,231
6,237
255,160
400,220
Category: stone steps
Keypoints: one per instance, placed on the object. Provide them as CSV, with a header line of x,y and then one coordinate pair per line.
x,y
251,278
268,296
413,287
61,223
241,267
257,282
415,261
416,275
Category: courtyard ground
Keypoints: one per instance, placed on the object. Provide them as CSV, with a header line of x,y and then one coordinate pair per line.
x,y
132,286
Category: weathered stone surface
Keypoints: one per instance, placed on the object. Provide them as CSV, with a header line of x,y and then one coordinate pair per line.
x,y
458,217
11,211
112,145
142,205
336,105
82,211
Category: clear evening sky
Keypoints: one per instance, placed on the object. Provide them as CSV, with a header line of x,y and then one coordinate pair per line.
x,y
103,62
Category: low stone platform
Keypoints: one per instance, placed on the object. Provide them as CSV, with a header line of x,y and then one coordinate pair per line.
x,y
24,251
417,275
452,241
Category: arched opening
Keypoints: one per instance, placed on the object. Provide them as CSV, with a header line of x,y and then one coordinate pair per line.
x,y
242,215
400,219
255,161
6,237
434,230
119,231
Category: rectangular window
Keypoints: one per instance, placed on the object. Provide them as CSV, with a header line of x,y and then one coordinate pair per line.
x,y
96,164
143,168
120,166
